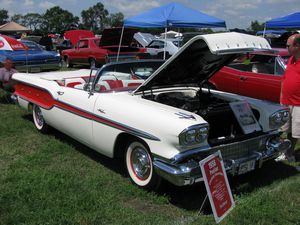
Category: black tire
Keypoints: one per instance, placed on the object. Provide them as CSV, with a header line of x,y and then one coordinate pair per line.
x,y
68,63
139,166
93,63
38,119
161,55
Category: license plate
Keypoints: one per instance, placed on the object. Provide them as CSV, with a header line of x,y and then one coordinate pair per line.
x,y
246,167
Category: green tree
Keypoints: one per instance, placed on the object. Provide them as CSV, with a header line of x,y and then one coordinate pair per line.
x,y
115,20
33,21
94,18
17,18
58,20
3,16
256,26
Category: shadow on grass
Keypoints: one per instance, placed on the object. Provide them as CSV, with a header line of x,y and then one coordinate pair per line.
x,y
190,197
113,164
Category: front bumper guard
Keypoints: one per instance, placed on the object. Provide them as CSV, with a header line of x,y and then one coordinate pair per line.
x,y
190,173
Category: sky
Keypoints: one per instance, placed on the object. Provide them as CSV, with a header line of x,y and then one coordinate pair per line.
x,y
237,14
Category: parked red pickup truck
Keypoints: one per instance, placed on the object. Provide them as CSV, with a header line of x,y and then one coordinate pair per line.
x,y
98,51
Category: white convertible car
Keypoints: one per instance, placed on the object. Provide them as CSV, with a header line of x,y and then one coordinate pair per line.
x,y
163,126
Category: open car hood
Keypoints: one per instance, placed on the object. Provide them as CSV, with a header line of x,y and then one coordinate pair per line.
x,y
201,57
143,38
111,36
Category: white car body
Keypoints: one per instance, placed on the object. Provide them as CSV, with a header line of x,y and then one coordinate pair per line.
x,y
158,46
155,134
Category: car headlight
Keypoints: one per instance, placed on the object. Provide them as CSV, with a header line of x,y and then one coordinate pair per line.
x,y
279,118
193,135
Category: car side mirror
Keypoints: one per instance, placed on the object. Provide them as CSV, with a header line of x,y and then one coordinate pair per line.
x,y
87,87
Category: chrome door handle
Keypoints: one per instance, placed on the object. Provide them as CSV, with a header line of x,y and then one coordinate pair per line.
x,y
60,92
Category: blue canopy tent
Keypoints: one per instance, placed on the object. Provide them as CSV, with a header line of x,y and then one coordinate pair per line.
x,y
173,15
289,21
270,32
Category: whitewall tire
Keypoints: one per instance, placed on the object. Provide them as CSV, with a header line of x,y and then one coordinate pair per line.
x,y
140,167
38,119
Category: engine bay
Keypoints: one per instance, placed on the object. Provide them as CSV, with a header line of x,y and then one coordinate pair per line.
x,y
223,125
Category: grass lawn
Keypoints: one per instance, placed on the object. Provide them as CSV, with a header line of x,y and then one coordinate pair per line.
x,y
52,179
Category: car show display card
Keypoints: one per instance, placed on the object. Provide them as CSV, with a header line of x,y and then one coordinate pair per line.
x,y
217,185
245,116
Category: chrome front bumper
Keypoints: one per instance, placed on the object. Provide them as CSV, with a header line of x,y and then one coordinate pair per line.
x,y
185,169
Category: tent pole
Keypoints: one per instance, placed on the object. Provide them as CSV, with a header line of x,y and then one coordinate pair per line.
x,y
166,29
264,31
120,43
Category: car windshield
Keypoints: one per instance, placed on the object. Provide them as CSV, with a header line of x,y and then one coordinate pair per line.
x,y
285,59
32,45
129,73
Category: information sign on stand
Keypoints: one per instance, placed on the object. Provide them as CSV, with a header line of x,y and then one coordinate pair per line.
x,y
217,186
245,117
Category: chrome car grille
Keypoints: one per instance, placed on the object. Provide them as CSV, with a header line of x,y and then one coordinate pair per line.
x,y
241,149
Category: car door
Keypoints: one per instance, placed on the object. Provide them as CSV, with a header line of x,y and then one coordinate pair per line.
x,y
83,49
227,79
76,108
264,81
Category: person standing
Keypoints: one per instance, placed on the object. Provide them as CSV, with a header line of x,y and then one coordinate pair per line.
x,y
6,73
290,96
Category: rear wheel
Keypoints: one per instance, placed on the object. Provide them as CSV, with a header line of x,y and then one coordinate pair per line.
x,y
140,167
92,63
38,119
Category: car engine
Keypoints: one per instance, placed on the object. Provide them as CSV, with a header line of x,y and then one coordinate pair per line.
x,y
223,125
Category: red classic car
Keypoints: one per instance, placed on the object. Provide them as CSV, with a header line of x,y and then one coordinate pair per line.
x,y
256,75
98,51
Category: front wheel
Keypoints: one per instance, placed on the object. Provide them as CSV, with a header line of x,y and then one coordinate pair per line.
x,y
139,166
38,119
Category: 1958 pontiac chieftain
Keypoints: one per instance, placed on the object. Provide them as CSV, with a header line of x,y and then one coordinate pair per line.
x,y
163,126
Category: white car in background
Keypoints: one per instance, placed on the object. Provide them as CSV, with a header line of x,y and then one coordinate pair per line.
x,y
157,47
164,126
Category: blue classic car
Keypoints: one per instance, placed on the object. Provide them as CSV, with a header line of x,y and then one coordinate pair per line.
x,y
35,59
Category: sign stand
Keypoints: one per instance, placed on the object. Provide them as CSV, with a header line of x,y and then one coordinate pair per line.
x,y
200,210
217,186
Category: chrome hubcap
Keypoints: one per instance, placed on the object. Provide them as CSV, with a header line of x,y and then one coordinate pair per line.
x,y
141,163
39,116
